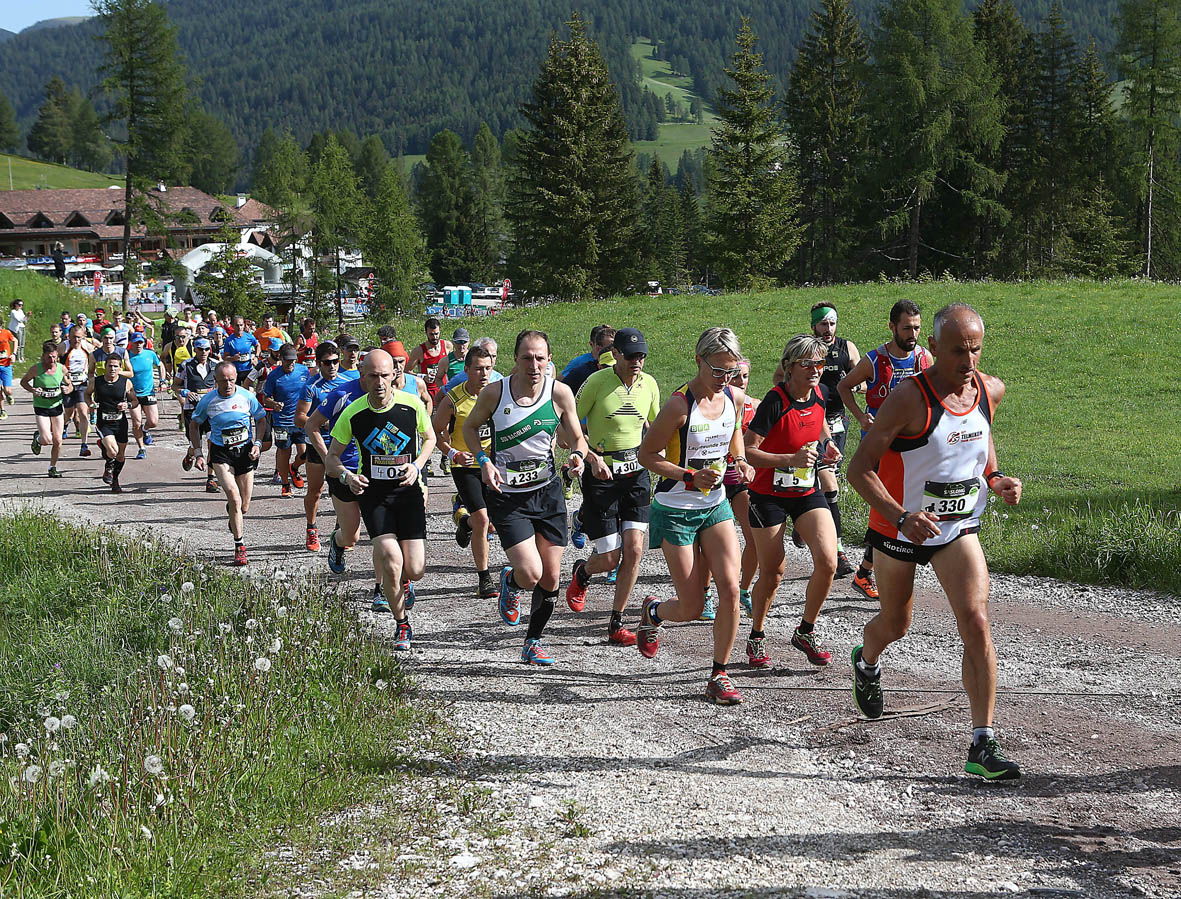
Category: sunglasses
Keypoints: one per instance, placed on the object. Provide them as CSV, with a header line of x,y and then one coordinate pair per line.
x,y
632,357
811,363
722,372
330,361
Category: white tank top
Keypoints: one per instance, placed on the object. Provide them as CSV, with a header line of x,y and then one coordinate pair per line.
x,y
699,443
522,439
78,365
940,470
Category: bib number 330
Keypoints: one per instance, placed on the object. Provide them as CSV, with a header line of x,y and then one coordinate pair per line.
x,y
951,501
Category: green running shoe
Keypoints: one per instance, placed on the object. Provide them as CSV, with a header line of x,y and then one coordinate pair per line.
x,y
986,760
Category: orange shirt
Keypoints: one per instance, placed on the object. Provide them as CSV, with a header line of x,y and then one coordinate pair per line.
x,y
7,346
264,335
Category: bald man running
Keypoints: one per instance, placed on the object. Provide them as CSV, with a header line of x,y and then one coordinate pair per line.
x,y
927,493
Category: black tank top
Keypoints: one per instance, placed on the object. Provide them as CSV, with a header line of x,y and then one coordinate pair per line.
x,y
836,366
109,394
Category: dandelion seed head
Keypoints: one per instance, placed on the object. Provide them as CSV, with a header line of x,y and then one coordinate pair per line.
x,y
144,832
225,628
281,612
251,624
188,587
165,662
180,672
154,765
187,712
160,800
52,724
176,625
262,665
166,598
61,696
32,774
69,722
183,689
21,750
276,645
381,685
58,768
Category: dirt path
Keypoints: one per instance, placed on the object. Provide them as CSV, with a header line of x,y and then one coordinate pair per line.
x,y
609,772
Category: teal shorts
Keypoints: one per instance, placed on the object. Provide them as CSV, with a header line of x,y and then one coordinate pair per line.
x,y
681,527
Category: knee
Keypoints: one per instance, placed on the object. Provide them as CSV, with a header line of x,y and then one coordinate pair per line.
x,y
824,564
974,627
896,624
413,570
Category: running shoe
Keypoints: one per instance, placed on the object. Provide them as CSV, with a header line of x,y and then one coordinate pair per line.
x,y
648,633
54,473
796,540
463,532
844,566
65,432
756,652
286,492
378,601
621,636
709,611
84,451
867,689
745,601
187,462
576,592
510,600
402,636
297,481
211,486
866,586
335,553
147,438
536,654
567,483
427,471
4,415
614,575
115,488
986,759
107,476
141,455
487,588
720,691
408,596
35,446
455,505
240,554
577,537
445,466
809,645
312,543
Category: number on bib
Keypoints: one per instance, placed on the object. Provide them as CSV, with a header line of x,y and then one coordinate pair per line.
x,y
951,501
624,462
112,416
234,437
388,468
279,435
526,472
836,425
794,478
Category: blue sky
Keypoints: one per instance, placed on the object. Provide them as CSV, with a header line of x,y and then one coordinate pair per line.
x,y
18,14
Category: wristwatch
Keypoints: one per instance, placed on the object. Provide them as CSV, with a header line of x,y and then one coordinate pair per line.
x,y
687,477
344,477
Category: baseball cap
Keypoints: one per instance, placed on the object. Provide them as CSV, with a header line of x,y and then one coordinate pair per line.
x,y
462,334
348,341
105,329
288,352
630,341
395,348
275,344
137,337
202,343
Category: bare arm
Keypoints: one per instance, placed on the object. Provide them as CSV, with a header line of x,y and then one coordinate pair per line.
x,y
301,417
858,375
311,428
569,427
481,412
441,420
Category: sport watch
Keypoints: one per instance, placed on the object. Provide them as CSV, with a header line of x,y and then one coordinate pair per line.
x,y
687,477
344,477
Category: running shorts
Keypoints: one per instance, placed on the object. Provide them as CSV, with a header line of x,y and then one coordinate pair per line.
x,y
337,490
910,552
116,429
401,512
470,488
75,397
188,417
313,457
732,490
771,511
5,375
607,505
238,459
681,527
51,412
148,399
519,516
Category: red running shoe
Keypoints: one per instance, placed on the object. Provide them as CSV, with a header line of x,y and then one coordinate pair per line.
x,y
240,554
621,637
756,652
297,480
576,592
809,645
648,633
866,586
313,541
720,691
286,492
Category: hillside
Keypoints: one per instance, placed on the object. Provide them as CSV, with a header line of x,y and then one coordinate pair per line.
x,y
405,71
28,173
62,22
5,35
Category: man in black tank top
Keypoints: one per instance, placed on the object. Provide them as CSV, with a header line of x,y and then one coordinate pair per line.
x,y
112,396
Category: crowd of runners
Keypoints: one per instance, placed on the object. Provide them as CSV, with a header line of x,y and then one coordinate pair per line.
x,y
684,473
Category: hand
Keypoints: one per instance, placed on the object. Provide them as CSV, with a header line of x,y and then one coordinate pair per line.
x,y
411,475
490,474
463,460
919,527
1008,489
805,458
357,483
123,407
255,451
866,421
599,468
745,470
575,464
199,463
832,453
706,478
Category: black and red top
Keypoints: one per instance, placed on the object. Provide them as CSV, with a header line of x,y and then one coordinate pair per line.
x,y
786,425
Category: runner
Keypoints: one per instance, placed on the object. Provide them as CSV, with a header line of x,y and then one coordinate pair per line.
x,y
925,468
307,342
523,492
47,380
268,331
18,322
7,355
281,392
582,367
145,414
426,358
737,491
490,345
394,439
193,380
616,405
328,359
786,437
687,447
78,364
230,412
882,370
471,510
241,348
452,365
112,394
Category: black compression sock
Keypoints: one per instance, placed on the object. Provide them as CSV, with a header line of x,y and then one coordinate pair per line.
x,y
863,572
583,575
539,611
116,467
754,635
719,668
616,621
512,581
483,573
835,508
806,626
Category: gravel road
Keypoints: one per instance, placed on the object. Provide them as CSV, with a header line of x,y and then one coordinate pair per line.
x,y
610,775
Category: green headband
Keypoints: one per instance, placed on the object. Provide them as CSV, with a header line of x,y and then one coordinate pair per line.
x,y
820,313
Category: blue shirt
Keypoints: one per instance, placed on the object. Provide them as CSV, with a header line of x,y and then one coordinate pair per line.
x,y
231,418
143,364
241,346
579,369
317,389
461,378
288,389
334,404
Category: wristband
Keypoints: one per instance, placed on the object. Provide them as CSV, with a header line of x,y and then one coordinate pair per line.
x,y
992,475
452,453
417,471
687,477
579,453
901,519
482,457
344,477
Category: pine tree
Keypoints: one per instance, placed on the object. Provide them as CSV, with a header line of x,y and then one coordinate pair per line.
x,y
145,84
826,118
51,136
10,133
1096,128
488,194
573,202
446,206
934,106
691,228
1093,245
372,161
211,151
336,206
89,146
280,170
393,245
751,229
1148,59
230,280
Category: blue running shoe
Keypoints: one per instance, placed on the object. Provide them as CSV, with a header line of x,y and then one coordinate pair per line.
x,y
710,610
142,454
509,602
335,554
745,601
402,636
614,575
577,537
408,596
380,603
535,654
147,438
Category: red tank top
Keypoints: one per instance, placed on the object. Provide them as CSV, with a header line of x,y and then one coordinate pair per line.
x,y
307,352
799,423
429,363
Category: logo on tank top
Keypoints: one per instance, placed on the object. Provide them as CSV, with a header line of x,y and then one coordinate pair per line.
x,y
386,441
956,437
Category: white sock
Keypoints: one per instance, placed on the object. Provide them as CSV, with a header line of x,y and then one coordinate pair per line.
x,y
979,734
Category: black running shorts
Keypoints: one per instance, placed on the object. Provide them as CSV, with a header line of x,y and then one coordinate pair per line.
x,y
519,516
401,512
905,551
606,505
770,511
116,429
337,490
238,459
470,488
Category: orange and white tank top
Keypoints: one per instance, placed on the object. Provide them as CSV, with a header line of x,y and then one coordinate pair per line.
x,y
940,469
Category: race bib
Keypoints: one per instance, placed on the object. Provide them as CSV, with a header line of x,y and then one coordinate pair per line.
x,y
953,501
388,468
235,437
624,462
112,416
3,355
526,472
77,380
279,435
485,432
794,478
50,393
836,425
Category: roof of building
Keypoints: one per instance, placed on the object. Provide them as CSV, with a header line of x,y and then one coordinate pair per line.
x,y
257,211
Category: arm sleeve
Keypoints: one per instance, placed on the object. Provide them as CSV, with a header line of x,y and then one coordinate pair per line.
x,y
769,412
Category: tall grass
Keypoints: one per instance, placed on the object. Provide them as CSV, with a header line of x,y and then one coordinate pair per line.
x,y
161,722
45,297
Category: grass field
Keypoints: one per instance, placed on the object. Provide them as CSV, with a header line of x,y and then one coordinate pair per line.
x,y
28,173
1089,421
165,725
674,137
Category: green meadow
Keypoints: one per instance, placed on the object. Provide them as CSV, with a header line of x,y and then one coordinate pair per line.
x,y
29,174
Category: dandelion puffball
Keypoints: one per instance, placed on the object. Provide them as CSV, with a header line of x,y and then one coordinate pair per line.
x,y
187,712
97,777
32,774
154,765
147,834
276,644
188,587
176,625
262,665
69,722
281,612
58,768
165,662
21,750
52,724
